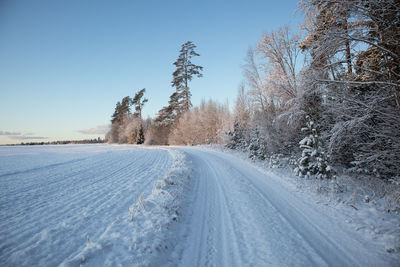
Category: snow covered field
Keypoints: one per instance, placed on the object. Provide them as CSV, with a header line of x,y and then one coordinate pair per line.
x,y
104,205
56,199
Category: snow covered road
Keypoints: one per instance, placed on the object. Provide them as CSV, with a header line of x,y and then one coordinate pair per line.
x,y
244,217
104,205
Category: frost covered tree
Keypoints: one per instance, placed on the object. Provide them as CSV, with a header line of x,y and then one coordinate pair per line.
x,y
325,22
362,86
273,89
200,125
281,49
128,132
313,160
253,73
239,136
257,145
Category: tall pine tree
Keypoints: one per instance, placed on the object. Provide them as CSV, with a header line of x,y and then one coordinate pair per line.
x,y
138,102
121,112
185,70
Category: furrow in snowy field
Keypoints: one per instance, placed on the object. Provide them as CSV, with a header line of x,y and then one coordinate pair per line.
x,y
51,217
150,232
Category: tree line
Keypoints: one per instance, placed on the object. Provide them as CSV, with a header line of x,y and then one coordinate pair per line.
x,y
63,142
328,95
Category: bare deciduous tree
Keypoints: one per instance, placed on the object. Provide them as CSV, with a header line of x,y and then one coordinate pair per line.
x,y
281,49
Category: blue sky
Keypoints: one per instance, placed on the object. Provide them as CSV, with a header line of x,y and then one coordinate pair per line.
x,y
65,63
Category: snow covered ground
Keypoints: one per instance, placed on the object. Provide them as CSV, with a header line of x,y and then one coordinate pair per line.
x,y
55,201
105,205
244,215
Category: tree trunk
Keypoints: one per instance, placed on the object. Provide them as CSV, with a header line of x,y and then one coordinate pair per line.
x,y
347,43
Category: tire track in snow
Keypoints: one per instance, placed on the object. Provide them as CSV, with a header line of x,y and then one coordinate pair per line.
x,y
211,223
229,241
247,218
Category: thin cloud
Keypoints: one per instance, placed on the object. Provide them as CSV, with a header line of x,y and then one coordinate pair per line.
x,y
100,129
20,136
9,133
25,137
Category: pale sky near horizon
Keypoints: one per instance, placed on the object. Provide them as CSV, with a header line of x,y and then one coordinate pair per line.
x,y
65,64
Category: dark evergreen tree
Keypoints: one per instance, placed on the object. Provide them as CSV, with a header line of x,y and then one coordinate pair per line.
x,y
125,108
138,103
121,112
168,114
115,123
185,70
140,135
179,101
115,118
165,120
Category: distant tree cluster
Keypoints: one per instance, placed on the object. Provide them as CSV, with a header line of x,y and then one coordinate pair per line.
x,y
64,142
127,126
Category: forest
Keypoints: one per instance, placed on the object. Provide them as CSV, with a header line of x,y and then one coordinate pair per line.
x,y
323,98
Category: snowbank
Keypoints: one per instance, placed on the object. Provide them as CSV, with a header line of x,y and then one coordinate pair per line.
x,y
149,231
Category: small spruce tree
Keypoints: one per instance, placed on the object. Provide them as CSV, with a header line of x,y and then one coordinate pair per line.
x,y
140,135
237,140
257,147
313,160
